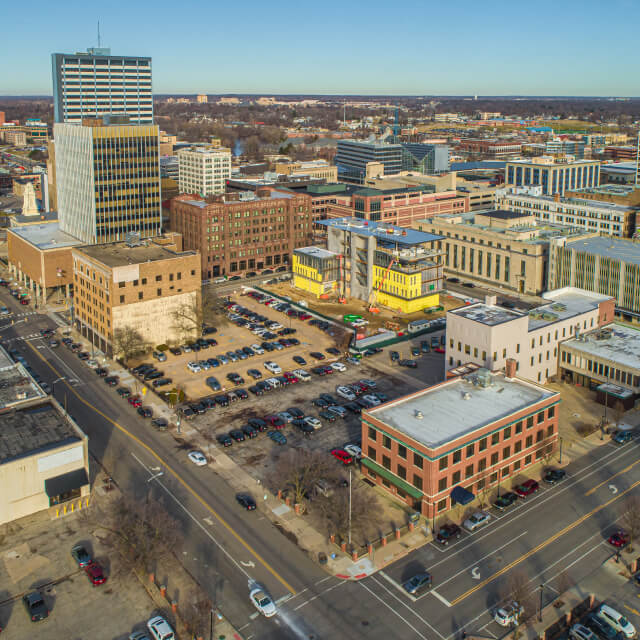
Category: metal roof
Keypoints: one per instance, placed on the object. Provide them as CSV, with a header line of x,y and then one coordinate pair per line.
x,y
381,231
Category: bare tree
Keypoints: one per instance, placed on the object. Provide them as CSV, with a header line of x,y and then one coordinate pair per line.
x,y
127,342
484,490
631,518
190,319
618,412
365,512
518,588
297,470
141,530
197,615
547,453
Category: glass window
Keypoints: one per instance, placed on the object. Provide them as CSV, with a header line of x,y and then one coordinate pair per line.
x,y
457,456
402,451
418,461
386,442
443,463
495,438
468,471
442,484
483,444
372,433
470,450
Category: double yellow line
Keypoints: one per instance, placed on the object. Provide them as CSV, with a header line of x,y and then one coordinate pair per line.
x,y
192,491
542,545
615,475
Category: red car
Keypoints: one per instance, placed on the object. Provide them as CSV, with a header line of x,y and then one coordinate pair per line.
x,y
95,574
342,455
328,370
24,301
439,350
619,539
275,421
134,401
304,316
290,377
526,488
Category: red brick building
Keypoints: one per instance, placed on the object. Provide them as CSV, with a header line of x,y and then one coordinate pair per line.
x,y
474,431
487,148
236,235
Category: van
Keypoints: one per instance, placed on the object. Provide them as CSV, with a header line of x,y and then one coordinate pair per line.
x,y
616,620
219,280
274,383
302,375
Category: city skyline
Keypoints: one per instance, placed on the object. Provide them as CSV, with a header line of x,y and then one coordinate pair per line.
x,y
424,49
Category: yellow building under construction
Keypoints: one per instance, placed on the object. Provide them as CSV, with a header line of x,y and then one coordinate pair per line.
x,y
387,266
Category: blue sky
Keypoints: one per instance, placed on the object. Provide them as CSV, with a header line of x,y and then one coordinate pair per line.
x,y
495,47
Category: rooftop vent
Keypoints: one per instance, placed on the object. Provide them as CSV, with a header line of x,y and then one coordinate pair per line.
x,y
132,239
483,376
419,415
466,395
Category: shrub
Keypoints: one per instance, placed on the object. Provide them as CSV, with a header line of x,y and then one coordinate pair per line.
x,y
162,347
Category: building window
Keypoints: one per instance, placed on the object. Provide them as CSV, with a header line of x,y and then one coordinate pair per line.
x,y
455,478
417,482
442,484
372,453
551,411
482,445
372,434
549,431
386,442
418,461
517,447
506,433
516,465
468,471
539,436
493,478
541,417
470,450
121,299
527,460
402,451
482,464
506,452
121,284
386,462
480,485
139,295
518,427
495,438
494,459
442,505
457,456
529,422
159,292
443,463
529,441
159,278
505,472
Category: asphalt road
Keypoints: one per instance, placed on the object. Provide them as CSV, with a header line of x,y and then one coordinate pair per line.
x,y
560,531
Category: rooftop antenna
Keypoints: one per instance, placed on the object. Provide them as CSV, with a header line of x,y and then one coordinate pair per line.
x,y
98,34
344,113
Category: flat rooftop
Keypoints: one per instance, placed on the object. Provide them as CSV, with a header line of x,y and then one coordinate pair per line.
x,y
615,342
609,247
459,407
385,232
32,429
316,252
487,314
119,254
45,236
16,385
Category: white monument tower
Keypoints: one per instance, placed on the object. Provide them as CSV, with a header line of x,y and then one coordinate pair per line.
x,y
29,205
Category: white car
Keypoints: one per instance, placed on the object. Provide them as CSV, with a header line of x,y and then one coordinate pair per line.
x,y
274,326
338,366
198,458
338,410
303,375
92,364
370,383
313,422
580,632
477,520
354,450
194,367
257,349
274,383
346,393
509,614
263,603
160,629
286,416
272,367
616,620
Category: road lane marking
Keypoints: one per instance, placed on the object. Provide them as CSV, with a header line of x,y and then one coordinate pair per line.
x,y
479,560
543,544
306,602
626,606
180,480
364,586
442,599
615,475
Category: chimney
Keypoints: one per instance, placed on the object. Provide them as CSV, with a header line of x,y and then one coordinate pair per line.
x,y
510,368
263,192
556,197
490,300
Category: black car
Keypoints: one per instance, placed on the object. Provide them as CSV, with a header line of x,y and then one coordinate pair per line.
x,y
224,440
454,280
333,351
123,392
300,360
176,351
507,304
249,351
469,285
256,390
505,501
295,412
199,408
254,373
102,372
447,532
317,355
258,423
160,424
319,371
395,356
418,583
242,394
249,431
209,402
237,435
208,330
145,412
553,476
162,382
264,386
603,629
35,605
321,402
222,400
246,501
411,364
329,416
267,346
327,397
306,429
353,407
112,381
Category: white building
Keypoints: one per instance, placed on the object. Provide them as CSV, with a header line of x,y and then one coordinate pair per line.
x,y
489,335
590,215
203,170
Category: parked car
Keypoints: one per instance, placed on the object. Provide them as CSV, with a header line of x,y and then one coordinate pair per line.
x,y
342,455
317,355
95,574
224,440
35,605
277,437
159,356
198,458
476,520
580,632
619,539
246,501
622,437
602,628
527,488
346,393
80,554
616,620
553,476
353,450
272,367
418,583
237,435
314,422
411,364
448,532
394,355
213,383
509,614
505,501
160,629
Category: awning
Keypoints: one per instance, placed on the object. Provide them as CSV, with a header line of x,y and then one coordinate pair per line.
x,y
398,482
460,495
58,485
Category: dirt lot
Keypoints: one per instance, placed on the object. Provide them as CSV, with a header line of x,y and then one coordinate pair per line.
x,y
35,552
376,320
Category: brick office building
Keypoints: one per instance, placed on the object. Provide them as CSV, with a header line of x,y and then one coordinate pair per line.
x,y
472,432
235,233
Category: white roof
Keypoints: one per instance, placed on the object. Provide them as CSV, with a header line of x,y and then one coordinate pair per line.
x,y
615,342
458,407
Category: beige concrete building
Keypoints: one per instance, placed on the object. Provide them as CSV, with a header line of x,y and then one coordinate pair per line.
x,y
136,285
313,168
202,98
489,335
203,170
44,456
500,248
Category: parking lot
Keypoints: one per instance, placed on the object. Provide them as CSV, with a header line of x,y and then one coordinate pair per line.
x,y
36,555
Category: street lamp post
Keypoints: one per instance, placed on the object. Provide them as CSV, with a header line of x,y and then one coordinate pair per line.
x,y
560,455
349,508
540,609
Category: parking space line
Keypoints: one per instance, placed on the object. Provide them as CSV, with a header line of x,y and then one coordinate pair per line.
x,y
442,599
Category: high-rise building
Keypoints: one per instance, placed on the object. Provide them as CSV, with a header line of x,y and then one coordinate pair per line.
x,y
94,83
204,170
425,158
108,180
554,176
202,98
353,155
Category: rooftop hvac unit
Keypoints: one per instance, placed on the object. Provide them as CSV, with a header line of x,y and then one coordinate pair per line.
x,y
483,377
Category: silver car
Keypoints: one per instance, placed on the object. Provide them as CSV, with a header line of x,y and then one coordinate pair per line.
x,y
477,520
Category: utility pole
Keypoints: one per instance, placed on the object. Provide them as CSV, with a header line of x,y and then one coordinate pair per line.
x,y
349,509
540,609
